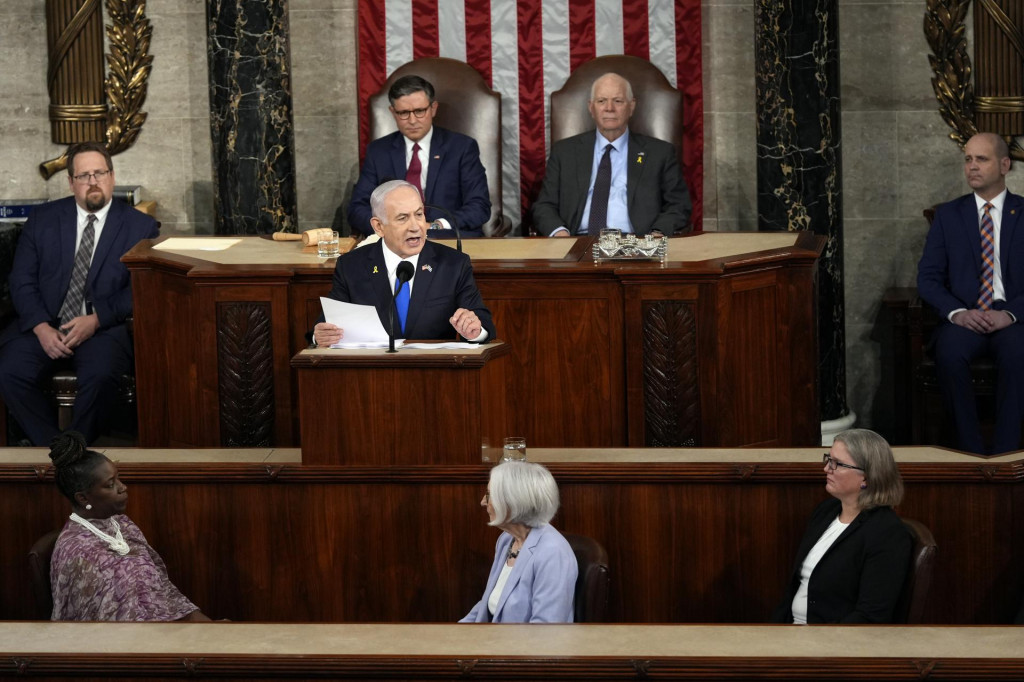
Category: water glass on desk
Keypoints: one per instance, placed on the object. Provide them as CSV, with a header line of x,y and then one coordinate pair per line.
x,y
328,246
514,450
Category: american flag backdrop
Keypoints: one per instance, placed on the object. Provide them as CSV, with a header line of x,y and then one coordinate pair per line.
x,y
526,49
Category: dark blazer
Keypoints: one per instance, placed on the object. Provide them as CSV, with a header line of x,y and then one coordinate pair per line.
x,y
656,192
443,282
46,255
860,577
540,588
456,180
950,267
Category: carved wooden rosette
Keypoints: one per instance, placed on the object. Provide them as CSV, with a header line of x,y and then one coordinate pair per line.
x,y
996,101
245,374
671,395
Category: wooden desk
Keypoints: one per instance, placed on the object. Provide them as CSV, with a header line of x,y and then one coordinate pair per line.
x,y
520,652
716,348
693,535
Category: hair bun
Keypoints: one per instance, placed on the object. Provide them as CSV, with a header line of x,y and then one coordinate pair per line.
x,y
67,448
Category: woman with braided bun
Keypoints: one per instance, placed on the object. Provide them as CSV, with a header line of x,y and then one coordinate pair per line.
x,y
102,567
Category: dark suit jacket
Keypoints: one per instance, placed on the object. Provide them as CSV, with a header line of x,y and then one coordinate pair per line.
x,y
949,272
443,282
860,577
456,180
657,194
46,255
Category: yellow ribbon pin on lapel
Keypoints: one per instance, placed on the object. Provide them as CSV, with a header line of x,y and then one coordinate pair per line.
x,y
375,269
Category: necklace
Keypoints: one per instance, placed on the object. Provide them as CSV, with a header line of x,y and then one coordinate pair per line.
x,y
116,542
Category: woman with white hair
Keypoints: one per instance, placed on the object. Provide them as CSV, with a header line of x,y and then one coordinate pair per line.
x,y
533,576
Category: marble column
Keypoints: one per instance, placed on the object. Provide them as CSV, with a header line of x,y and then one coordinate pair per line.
x,y
251,116
799,181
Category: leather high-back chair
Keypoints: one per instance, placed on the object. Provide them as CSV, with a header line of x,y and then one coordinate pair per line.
x,y
39,570
591,595
467,105
659,106
919,578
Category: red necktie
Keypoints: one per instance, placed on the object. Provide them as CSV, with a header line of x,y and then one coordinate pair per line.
x,y
988,260
412,175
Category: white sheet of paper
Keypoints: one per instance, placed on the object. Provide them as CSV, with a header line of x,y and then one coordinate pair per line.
x,y
443,345
196,244
361,324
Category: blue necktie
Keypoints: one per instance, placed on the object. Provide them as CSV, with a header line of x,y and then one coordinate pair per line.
x,y
402,302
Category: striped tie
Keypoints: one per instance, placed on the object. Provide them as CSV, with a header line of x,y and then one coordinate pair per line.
x,y
988,260
72,307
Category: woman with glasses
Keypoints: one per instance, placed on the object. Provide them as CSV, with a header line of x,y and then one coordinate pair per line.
x,y
533,576
855,553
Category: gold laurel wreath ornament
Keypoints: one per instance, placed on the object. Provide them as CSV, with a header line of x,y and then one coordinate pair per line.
x,y
129,63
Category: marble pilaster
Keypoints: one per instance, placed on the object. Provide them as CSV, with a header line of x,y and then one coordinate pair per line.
x,y
799,159
251,116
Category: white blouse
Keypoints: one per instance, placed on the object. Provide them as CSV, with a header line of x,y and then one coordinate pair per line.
x,y
799,606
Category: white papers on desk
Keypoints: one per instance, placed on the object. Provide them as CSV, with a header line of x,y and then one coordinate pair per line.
x,y
361,324
196,244
443,345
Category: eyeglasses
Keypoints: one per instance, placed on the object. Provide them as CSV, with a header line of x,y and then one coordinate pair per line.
x,y
827,460
487,498
418,113
90,178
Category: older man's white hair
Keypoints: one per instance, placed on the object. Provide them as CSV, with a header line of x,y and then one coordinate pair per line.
x,y
610,74
523,492
380,194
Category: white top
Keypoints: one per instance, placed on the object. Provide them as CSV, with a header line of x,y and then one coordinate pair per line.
x,y
499,587
799,606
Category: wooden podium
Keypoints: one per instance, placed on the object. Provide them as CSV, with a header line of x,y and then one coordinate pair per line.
x,y
374,408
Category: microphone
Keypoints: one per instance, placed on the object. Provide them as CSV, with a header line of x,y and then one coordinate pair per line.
x,y
452,220
403,274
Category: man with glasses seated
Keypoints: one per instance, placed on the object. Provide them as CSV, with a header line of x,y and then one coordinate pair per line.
x,y
443,164
72,295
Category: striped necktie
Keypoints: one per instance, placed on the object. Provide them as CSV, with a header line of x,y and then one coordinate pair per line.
x,y
72,307
988,259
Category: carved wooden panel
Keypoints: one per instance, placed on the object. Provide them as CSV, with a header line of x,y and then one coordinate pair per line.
x,y
245,374
671,389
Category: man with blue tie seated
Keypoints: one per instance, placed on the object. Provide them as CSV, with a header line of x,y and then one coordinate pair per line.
x,y
612,177
444,165
72,295
972,273
441,298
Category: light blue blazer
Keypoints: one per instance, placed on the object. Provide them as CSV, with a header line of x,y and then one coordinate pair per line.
x,y
541,586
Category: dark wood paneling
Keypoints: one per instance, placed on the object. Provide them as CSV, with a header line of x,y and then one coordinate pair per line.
x,y
577,371
688,543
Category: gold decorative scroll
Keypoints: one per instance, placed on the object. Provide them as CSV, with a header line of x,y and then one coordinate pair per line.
x,y
1000,90
129,62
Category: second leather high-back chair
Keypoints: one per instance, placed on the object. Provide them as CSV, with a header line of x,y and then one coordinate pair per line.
x,y
659,109
467,105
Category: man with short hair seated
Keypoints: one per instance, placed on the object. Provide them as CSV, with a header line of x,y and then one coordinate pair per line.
x,y
612,177
72,295
442,164
970,272
441,298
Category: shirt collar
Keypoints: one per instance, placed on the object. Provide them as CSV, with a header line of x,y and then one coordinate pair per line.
x,y
101,215
621,143
997,202
424,143
392,259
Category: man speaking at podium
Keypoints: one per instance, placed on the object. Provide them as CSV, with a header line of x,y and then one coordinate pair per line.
x,y
440,296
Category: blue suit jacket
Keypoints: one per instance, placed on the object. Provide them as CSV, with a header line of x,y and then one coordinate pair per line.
x,y
46,255
541,586
442,283
948,276
456,180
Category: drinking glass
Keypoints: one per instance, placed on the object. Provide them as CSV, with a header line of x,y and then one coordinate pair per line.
x,y
514,450
328,248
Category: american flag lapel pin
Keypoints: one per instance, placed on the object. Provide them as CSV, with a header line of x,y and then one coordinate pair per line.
x,y
428,268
